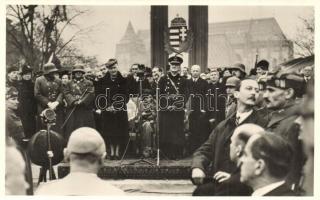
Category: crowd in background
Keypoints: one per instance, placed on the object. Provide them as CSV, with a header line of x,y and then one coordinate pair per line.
x,y
126,110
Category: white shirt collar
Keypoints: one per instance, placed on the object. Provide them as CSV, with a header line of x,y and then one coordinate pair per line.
x,y
243,115
266,189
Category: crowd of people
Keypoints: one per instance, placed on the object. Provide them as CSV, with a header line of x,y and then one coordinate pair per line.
x,y
233,124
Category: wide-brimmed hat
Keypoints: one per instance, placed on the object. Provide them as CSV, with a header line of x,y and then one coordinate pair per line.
x,y
239,66
49,68
233,82
78,68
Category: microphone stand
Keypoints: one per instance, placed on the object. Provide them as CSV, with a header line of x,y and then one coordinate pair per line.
x,y
49,151
142,159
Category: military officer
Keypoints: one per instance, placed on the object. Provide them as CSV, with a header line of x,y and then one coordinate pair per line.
x,y
79,95
173,95
282,90
48,93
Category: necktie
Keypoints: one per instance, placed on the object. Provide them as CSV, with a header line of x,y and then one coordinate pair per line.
x,y
237,120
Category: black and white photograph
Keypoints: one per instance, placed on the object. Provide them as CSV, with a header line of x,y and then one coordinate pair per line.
x,y
154,100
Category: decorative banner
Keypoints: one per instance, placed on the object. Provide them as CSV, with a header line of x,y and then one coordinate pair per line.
x,y
178,38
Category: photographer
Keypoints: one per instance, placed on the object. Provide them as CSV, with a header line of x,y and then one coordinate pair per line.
x,y
133,80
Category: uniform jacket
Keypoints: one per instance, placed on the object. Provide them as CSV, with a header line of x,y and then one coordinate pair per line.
x,y
216,149
284,123
83,114
173,94
46,91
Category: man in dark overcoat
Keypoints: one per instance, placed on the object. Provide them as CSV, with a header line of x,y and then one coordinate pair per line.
x,y
27,102
216,149
281,97
111,99
198,118
79,95
48,93
217,99
173,95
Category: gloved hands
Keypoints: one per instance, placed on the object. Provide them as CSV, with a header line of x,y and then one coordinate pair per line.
x,y
198,176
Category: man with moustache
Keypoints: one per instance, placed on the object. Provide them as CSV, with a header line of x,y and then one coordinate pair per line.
x,y
283,90
198,118
173,95
216,149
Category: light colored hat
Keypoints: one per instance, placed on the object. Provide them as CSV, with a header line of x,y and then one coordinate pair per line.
x,y
86,140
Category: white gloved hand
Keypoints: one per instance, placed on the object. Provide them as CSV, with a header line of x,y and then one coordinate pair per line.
x,y
54,105
198,176
98,111
50,105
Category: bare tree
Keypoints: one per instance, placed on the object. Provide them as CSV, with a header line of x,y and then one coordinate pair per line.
x,y
37,30
304,41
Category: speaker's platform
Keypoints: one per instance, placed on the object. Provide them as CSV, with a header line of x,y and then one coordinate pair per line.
x,y
139,169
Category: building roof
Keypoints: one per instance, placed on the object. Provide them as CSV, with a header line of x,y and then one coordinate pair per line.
x,y
129,36
221,51
238,32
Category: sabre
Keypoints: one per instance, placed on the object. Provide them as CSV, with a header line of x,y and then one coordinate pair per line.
x,y
65,121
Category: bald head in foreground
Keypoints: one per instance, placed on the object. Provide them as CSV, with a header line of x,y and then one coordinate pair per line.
x,y
85,152
265,163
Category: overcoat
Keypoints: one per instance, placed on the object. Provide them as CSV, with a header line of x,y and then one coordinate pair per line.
x,y
215,151
83,114
173,92
285,123
114,125
27,107
45,91
199,126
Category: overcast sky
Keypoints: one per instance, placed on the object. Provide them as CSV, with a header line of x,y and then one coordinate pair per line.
x,y
109,22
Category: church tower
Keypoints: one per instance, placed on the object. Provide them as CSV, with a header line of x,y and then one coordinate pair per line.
x,y
130,49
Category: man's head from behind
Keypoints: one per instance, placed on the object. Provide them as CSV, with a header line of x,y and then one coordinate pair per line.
x,y
266,159
240,137
85,147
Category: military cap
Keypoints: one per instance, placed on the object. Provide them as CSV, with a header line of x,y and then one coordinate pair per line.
x,y
78,68
111,62
233,82
175,60
86,140
285,80
26,69
263,64
11,69
49,68
11,92
239,66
